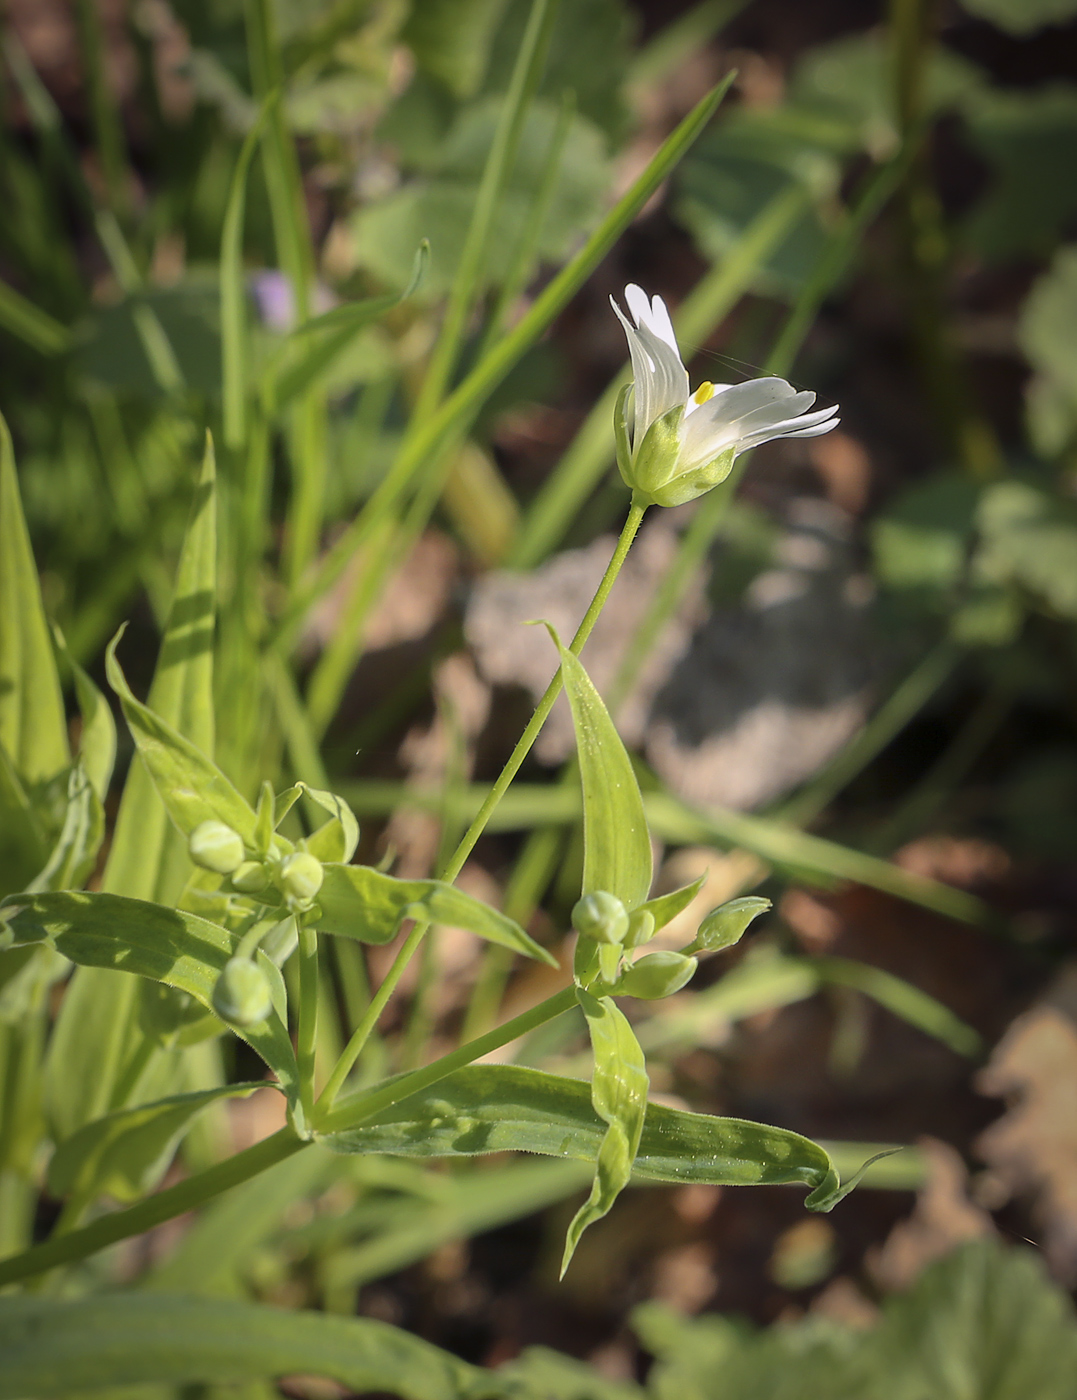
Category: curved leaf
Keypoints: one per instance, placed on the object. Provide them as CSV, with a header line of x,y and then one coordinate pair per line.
x,y
191,786
337,839
52,1349
506,1108
619,1097
125,1154
166,945
616,842
363,903
73,857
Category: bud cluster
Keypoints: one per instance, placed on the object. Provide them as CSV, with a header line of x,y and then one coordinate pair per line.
x,y
242,994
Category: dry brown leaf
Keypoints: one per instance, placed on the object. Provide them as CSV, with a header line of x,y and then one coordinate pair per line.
x,y
1032,1148
942,1218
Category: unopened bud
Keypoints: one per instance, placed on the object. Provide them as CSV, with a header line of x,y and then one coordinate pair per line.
x,y
601,916
657,975
281,941
215,846
301,877
242,996
725,925
640,928
250,877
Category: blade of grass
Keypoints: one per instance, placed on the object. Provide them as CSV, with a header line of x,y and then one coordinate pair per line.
x,y
452,416
33,326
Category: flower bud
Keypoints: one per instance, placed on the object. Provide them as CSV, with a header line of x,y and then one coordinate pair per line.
x,y
215,846
300,879
725,925
640,928
600,916
250,877
281,941
657,975
242,996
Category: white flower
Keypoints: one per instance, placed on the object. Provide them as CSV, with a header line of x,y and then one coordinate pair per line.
x,y
683,444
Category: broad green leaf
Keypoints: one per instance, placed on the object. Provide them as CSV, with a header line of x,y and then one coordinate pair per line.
x,y
619,1097
505,1108
451,40
130,935
191,786
33,729
125,1154
51,1348
986,1321
616,842
361,902
337,839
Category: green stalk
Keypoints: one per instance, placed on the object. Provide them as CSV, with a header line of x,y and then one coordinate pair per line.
x,y
545,705
155,1210
378,1003
366,1105
307,1032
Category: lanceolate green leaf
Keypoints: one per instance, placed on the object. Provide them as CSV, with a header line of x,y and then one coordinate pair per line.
x,y
363,903
130,935
505,1108
125,1154
73,857
52,1349
147,860
338,838
191,786
667,906
619,1097
33,730
616,843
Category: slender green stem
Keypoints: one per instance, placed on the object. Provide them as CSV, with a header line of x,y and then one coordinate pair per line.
x,y
363,1106
361,1034
469,273
307,1032
155,1210
545,705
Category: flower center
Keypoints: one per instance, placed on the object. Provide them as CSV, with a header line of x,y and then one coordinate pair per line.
x,y
704,392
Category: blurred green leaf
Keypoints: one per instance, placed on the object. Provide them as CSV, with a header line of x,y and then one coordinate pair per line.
x,y
921,542
125,1154
360,902
33,729
451,40
438,207
1045,331
505,1108
1022,17
113,351
616,841
1028,538
1028,139
131,935
619,1090
51,1348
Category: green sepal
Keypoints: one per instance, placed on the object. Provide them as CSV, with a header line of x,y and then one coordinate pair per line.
x,y
620,432
697,482
656,457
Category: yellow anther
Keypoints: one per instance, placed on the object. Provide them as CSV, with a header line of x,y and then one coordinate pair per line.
x,y
704,392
